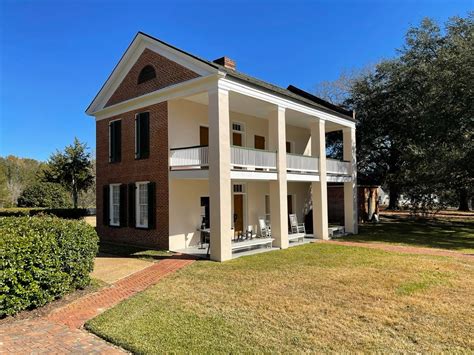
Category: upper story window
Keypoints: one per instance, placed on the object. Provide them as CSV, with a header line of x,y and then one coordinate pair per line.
x,y
147,73
115,141
115,205
142,135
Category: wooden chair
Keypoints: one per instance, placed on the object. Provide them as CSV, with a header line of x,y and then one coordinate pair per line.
x,y
265,230
298,230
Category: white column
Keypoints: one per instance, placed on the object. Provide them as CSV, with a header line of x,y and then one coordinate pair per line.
x,y
350,188
319,188
219,174
278,189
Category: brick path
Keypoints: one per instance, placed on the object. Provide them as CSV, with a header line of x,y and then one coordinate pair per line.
x,y
61,332
402,249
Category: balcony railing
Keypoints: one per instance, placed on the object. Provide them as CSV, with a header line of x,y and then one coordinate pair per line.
x,y
338,167
248,158
189,157
302,163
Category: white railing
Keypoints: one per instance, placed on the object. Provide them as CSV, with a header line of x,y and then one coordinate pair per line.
x,y
187,158
252,158
302,163
338,167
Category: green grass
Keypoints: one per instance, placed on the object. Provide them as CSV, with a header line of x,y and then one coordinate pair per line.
x,y
314,297
450,235
133,251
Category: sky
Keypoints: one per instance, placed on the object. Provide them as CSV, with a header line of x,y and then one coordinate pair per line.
x,y
55,55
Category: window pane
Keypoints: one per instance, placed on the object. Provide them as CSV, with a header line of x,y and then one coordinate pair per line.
x,y
143,205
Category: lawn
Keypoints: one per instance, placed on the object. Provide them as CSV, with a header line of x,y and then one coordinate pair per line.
x,y
314,297
432,233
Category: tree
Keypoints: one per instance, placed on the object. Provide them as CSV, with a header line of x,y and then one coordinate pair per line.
x,y
45,194
16,175
72,168
414,112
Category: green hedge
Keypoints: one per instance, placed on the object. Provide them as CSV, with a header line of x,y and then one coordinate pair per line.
x,y
69,213
42,259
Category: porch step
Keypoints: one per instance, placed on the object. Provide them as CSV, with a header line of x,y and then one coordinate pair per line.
x,y
252,242
335,232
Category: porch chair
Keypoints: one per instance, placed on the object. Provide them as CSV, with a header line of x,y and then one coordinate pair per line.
x,y
298,230
265,230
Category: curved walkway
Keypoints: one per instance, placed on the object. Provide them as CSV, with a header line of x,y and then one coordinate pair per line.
x,y
401,249
61,330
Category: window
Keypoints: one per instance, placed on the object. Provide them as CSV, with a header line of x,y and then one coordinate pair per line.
x,y
115,205
267,207
142,205
142,135
115,141
239,188
146,74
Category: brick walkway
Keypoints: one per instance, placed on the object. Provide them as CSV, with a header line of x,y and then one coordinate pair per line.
x,y
402,249
61,332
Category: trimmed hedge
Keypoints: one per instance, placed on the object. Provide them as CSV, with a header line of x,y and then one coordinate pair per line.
x,y
41,259
69,213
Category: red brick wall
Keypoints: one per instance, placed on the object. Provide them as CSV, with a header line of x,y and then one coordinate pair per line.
x,y
129,170
167,73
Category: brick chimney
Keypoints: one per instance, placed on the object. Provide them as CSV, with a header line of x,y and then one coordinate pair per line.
x,y
226,62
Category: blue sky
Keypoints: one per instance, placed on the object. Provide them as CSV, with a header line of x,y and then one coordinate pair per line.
x,y
55,55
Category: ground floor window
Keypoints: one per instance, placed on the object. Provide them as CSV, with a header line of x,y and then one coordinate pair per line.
x,y
142,205
115,205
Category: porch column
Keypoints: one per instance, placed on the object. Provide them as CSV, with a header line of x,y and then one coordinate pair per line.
x,y
350,188
319,188
219,174
278,189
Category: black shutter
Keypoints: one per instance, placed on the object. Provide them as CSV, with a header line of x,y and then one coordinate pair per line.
x,y
123,205
142,132
144,135
118,141
137,137
131,205
151,205
105,205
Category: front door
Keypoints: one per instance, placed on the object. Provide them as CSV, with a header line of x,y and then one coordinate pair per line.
x,y
237,139
238,213
204,136
259,142
289,202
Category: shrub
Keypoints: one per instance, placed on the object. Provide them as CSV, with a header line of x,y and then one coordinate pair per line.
x,y
45,194
42,259
68,213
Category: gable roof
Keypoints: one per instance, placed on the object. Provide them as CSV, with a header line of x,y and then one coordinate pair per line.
x,y
291,92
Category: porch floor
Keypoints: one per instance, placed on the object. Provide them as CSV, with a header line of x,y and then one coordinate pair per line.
x,y
201,252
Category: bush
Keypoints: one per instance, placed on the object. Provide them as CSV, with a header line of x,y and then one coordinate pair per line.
x,y
45,194
42,259
68,213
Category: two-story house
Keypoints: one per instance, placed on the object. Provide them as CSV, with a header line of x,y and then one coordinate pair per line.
x,y
185,144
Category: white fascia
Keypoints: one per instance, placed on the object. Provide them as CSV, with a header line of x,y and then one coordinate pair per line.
x,y
231,85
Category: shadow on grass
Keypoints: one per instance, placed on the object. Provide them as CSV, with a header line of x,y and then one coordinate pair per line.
x,y
450,235
121,250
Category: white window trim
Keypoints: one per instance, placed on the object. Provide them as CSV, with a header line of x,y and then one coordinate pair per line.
x,y
110,138
111,205
137,204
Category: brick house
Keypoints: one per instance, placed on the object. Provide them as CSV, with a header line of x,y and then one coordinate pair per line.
x,y
187,146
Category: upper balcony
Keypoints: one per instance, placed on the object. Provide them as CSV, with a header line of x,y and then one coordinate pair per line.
x,y
257,164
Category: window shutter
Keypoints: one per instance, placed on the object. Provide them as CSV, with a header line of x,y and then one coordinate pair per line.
x,y
123,205
137,137
118,141
142,132
151,205
144,135
105,205
131,205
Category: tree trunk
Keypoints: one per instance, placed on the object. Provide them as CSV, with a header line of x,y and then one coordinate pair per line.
x,y
463,200
74,198
394,195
